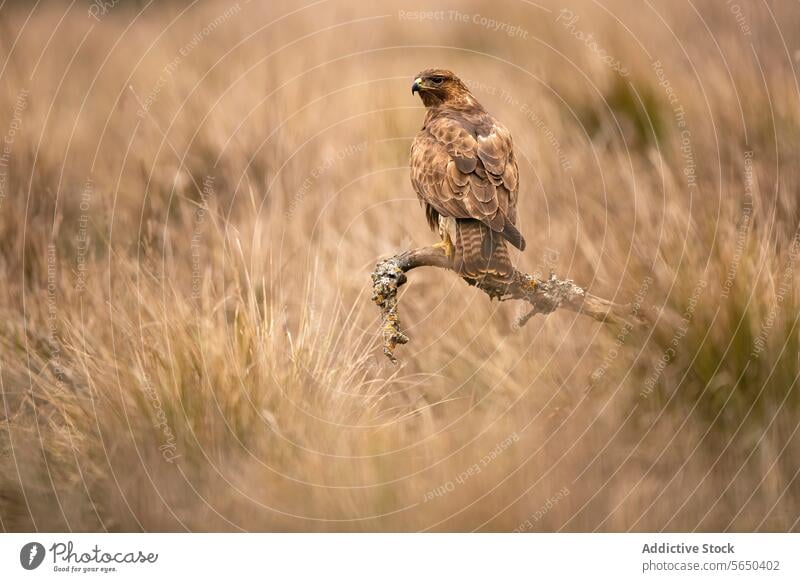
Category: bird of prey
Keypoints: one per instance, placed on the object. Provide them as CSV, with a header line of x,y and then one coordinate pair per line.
x,y
465,173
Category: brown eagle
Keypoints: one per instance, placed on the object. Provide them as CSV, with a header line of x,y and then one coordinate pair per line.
x,y
464,171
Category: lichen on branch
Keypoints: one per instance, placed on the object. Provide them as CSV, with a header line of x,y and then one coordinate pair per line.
x,y
544,295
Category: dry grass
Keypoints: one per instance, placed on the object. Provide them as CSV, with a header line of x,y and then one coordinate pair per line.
x,y
216,365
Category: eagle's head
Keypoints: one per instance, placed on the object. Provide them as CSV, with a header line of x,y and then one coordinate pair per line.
x,y
441,87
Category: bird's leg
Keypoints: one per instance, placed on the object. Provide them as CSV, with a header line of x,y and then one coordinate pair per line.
x,y
446,245
447,231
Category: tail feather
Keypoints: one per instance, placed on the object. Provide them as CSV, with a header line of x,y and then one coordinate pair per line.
x,y
513,235
480,251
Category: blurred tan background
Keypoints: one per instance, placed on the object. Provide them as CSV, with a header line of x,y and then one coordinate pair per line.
x,y
192,197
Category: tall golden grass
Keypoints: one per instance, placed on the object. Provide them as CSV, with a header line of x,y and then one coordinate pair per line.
x,y
193,198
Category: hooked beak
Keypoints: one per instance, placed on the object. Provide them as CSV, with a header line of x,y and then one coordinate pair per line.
x,y
417,86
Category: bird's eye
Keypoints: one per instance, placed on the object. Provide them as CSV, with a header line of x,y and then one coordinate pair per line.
x,y
437,80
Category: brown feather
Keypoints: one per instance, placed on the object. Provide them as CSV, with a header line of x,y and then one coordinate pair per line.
x,y
463,166
480,251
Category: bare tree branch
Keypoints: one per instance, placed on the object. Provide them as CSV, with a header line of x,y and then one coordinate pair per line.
x,y
544,295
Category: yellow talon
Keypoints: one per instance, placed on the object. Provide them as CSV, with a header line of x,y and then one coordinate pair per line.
x,y
447,246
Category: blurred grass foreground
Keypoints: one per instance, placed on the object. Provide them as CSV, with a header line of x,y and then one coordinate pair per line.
x,y
193,195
